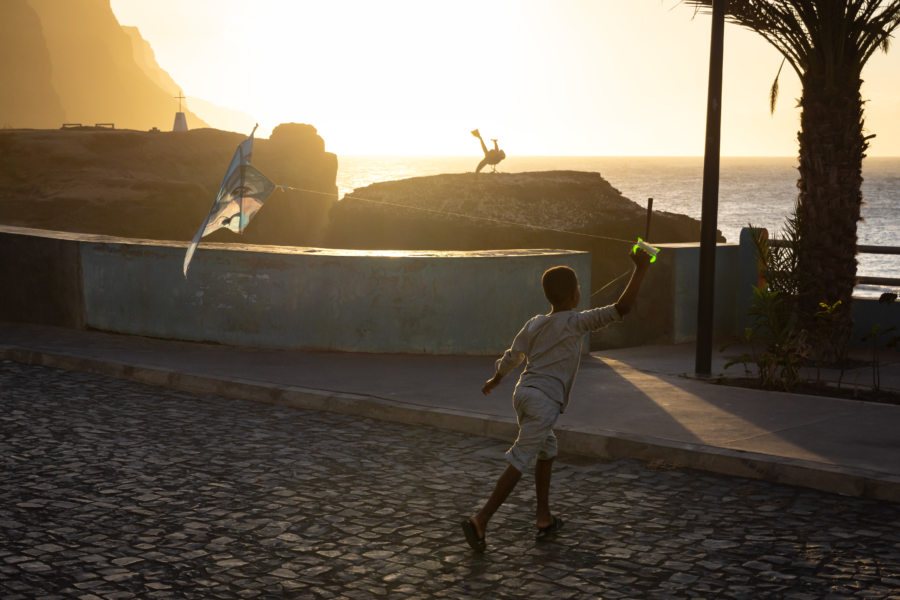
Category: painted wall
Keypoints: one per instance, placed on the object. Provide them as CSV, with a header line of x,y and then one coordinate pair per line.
x,y
416,302
686,271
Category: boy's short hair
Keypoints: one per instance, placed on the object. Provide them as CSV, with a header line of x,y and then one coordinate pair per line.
x,y
559,283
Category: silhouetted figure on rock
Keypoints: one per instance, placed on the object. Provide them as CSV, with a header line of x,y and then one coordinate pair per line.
x,y
491,157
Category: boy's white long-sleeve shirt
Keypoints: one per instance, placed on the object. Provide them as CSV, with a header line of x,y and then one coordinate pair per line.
x,y
550,345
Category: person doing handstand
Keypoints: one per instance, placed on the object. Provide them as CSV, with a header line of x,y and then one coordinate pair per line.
x,y
491,157
550,345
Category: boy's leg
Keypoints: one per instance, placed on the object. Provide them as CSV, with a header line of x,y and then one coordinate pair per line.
x,y
517,461
543,469
535,418
507,482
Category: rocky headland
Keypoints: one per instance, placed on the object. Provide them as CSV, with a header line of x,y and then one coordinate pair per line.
x,y
466,211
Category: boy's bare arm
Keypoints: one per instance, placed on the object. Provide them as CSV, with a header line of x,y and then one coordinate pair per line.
x,y
491,383
626,300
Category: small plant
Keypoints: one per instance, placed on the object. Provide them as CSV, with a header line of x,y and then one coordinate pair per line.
x,y
778,263
783,350
777,348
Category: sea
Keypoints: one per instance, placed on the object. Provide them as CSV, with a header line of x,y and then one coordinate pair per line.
x,y
758,191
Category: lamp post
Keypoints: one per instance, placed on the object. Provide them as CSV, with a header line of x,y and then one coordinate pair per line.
x,y
709,213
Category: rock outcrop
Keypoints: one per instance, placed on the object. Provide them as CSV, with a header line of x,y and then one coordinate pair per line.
x,y
160,185
72,61
553,209
295,156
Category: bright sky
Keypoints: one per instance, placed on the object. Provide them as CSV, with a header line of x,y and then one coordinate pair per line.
x,y
560,77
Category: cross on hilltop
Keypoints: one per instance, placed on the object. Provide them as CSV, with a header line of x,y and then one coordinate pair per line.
x,y
180,120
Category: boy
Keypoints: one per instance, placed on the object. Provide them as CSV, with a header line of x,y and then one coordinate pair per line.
x,y
551,347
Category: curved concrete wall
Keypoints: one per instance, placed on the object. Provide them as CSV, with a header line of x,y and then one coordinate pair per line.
x,y
420,302
285,297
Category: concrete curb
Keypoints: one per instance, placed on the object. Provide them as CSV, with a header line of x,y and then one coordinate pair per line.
x,y
724,461
593,443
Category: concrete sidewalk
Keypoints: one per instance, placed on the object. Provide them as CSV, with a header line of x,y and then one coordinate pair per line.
x,y
634,402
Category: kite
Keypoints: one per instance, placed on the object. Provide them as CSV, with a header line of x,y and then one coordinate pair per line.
x,y
242,193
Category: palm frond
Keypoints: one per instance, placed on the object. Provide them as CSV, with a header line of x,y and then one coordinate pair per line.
x,y
775,20
773,93
827,36
880,30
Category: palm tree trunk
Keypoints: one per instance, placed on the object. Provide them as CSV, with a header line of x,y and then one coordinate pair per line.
x,y
832,147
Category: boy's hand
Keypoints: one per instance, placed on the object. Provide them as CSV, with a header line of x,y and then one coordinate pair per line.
x,y
491,383
640,259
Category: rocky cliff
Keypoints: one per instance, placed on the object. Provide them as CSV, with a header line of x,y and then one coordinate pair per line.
x,y
553,209
27,96
160,185
71,61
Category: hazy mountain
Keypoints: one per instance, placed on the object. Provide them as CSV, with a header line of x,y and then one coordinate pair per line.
x,y
76,51
145,59
27,97
220,117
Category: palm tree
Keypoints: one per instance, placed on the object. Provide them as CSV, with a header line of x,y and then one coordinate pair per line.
x,y
827,42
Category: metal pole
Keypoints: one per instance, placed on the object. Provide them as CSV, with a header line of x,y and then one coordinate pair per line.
x,y
708,219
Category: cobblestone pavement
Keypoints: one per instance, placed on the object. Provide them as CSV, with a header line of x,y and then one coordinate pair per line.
x,y
113,489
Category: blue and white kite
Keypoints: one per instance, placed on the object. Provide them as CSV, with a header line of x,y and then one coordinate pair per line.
x,y
241,195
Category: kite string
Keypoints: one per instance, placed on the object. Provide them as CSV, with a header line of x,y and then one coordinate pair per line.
x,y
477,218
610,283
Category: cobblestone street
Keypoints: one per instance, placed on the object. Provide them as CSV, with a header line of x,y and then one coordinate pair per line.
x,y
113,489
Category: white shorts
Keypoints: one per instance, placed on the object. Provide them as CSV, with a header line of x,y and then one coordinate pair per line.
x,y
536,414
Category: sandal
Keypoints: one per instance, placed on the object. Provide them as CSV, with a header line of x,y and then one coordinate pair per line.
x,y
477,543
550,530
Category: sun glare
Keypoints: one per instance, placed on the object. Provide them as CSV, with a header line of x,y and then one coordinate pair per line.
x,y
572,77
